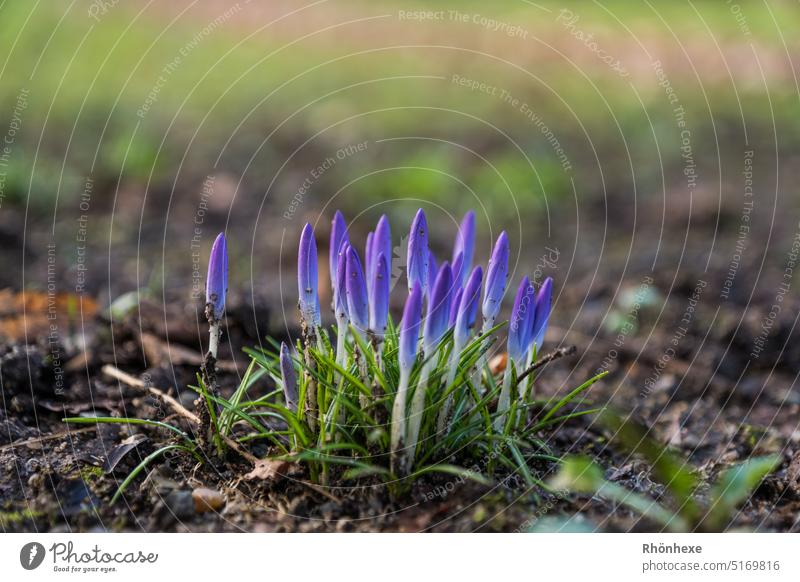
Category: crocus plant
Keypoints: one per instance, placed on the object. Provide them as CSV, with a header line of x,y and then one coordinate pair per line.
x,y
216,289
419,391
385,401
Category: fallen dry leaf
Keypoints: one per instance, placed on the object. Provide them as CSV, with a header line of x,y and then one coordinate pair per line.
x,y
30,314
119,451
268,469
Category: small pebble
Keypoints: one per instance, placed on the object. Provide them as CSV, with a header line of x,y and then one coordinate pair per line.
x,y
180,504
207,500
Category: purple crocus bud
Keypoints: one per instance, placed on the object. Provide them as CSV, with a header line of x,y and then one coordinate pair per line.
x,y
530,317
357,304
454,305
433,270
458,271
217,281
289,378
496,279
468,309
338,236
340,289
368,256
382,242
465,244
307,278
438,309
379,297
418,255
542,309
409,330
519,328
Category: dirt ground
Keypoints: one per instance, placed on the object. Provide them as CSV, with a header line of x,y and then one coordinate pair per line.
x,y
691,337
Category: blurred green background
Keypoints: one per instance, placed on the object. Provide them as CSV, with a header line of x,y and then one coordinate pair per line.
x,y
511,107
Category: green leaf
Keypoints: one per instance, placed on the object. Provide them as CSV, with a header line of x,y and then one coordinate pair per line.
x,y
580,474
561,419
669,469
115,420
522,464
364,470
226,418
141,466
452,470
571,396
369,354
734,486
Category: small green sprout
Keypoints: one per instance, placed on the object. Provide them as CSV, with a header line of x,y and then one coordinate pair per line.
x,y
687,511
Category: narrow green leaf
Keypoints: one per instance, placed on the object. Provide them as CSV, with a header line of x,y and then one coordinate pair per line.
x,y
675,473
735,485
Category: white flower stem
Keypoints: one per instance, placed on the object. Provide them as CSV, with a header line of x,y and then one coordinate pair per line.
x,y
505,399
341,341
310,338
399,421
335,408
363,371
377,350
417,410
524,387
442,423
481,363
214,333
209,372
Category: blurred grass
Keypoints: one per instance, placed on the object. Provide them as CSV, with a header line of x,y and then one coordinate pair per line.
x,y
342,73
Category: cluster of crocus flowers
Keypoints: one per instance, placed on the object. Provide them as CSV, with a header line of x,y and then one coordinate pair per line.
x,y
442,302
441,308
441,297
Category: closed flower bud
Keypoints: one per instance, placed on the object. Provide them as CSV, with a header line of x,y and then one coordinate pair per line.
x,y
217,282
458,271
432,272
418,255
357,304
542,313
468,307
438,309
519,327
465,245
379,297
382,242
307,278
496,279
409,329
368,257
289,378
340,290
454,305
338,236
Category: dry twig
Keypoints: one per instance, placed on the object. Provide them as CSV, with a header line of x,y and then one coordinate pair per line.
x,y
554,355
134,382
